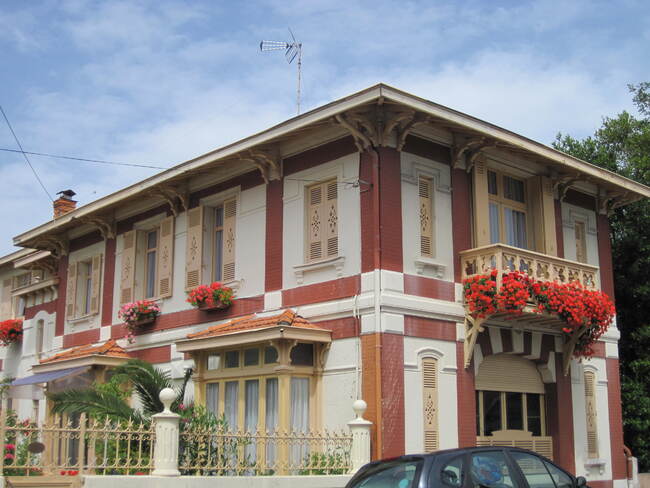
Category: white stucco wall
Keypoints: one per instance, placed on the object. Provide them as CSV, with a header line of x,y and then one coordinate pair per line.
x,y
340,383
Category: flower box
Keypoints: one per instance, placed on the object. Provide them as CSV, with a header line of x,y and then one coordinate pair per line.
x,y
138,315
218,305
11,331
214,296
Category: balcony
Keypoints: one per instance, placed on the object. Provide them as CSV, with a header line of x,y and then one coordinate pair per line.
x,y
505,259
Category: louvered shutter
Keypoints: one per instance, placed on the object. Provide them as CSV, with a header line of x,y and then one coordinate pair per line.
x,y
194,248
430,404
590,407
127,274
71,291
330,212
315,222
229,235
166,258
5,304
581,243
426,216
96,282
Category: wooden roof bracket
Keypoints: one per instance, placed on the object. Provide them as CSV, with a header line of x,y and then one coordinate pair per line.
x,y
105,225
178,200
362,140
563,183
473,327
270,166
58,245
461,145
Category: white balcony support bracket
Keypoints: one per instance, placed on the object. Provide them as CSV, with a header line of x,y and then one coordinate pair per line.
x,y
473,327
569,347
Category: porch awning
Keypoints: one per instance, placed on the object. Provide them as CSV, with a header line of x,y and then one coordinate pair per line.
x,y
49,376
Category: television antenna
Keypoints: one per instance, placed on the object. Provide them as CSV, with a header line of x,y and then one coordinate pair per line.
x,y
291,51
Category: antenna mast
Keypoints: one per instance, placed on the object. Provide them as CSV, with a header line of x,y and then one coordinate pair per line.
x,y
291,51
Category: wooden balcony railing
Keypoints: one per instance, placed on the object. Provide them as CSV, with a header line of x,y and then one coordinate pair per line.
x,y
504,259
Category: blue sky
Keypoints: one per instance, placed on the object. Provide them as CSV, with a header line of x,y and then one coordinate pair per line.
x,y
162,81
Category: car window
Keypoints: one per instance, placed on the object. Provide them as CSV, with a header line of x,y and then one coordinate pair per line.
x,y
562,480
396,474
533,470
489,469
451,473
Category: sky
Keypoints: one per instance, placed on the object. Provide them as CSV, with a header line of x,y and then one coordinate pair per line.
x,y
158,82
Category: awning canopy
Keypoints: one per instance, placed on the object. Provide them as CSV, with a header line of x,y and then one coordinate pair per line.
x,y
49,376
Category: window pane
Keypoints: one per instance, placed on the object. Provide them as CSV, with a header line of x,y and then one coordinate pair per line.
x,y
398,474
232,359
478,413
271,418
251,357
491,411
213,361
562,480
534,413
513,189
270,355
151,275
300,404
495,233
231,404
534,471
515,222
218,216
489,468
88,294
514,411
218,254
251,405
452,473
152,238
212,398
492,183
302,354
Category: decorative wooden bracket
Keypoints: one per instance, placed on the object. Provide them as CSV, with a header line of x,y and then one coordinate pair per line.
x,y
563,183
358,130
473,327
105,226
178,200
474,152
57,245
322,355
460,146
270,166
569,347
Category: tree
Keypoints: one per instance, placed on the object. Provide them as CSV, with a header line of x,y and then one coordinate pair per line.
x,y
111,399
622,145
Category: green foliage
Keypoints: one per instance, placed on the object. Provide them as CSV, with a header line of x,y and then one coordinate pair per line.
x,y
321,463
15,446
622,145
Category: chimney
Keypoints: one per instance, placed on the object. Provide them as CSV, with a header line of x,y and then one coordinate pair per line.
x,y
64,203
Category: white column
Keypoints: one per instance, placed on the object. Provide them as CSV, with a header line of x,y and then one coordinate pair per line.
x,y
360,429
165,449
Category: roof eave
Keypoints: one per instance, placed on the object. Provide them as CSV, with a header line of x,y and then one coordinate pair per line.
x,y
91,360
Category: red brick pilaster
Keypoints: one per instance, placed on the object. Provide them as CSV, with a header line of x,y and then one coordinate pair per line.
x,y
461,212
368,168
370,389
390,202
273,249
605,256
109,280
466,400
619,471
560,417
59,326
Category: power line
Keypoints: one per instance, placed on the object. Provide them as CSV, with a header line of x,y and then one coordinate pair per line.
x,y
25,154
102,161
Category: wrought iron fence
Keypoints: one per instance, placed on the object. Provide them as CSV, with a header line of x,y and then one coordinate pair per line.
x,y
224,453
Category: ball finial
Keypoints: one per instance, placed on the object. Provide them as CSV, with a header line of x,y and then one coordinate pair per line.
x,y
167,396
359,407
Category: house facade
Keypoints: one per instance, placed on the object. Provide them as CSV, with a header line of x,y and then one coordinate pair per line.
x,y
346,234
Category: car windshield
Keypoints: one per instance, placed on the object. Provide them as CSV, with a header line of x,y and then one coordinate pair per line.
x,y
392,474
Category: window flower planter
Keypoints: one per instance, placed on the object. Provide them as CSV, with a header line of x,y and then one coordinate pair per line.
x,y
214,296
11,331
137,315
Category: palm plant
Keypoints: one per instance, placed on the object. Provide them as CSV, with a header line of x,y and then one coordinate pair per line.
x,y
111,399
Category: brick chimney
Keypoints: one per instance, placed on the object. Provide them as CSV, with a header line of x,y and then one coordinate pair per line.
x,y
64,203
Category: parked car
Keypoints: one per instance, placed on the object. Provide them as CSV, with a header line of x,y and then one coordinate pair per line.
x,y
476,467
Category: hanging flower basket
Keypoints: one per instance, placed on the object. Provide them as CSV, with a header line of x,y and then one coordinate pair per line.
x,y
137,315
588,312
214,296
11,331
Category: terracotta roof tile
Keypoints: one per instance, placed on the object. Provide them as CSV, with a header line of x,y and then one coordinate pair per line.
x,y
108,349
288,318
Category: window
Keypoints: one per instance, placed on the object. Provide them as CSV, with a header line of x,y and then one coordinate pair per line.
x,y
322,221
540,473
401,474
430,403
502,410
83,287
581,241
591,415
490,469
147,262
425,190
507,210
451,474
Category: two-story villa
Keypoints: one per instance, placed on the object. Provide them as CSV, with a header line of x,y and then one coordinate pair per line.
x,y
346,233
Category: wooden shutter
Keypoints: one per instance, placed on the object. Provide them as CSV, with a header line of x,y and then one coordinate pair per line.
x,y
5,304
96,283
71,291
430,404
166,257
581,242
481,205
541,210
509,372
194,247
229,234
315,223
425,190
590,408
127,273
331,213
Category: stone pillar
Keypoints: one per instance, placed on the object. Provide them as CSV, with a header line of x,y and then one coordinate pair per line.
x,y
360,429
165,450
